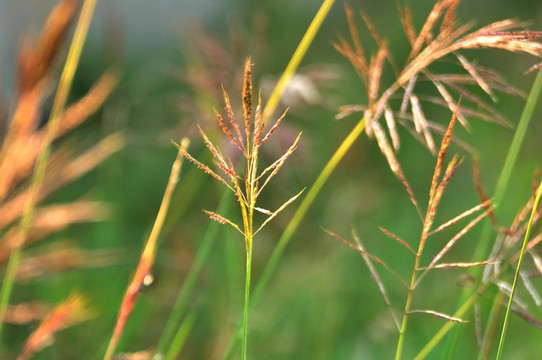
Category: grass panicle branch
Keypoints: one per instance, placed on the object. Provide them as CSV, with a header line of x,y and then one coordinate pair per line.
x,y
429,46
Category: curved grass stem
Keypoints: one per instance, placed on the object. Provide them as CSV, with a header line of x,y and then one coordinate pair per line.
x,y
298,55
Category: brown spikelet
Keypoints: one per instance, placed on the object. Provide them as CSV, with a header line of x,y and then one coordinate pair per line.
x,y
451,168
231,117
147,257
214,216
375,72
424,34
247,96
449,20
273,128
72,311
398,239
227,131
442,152
405,16
35,62
206,169
258,123
216,154
455,238
450,244
535,67
359,58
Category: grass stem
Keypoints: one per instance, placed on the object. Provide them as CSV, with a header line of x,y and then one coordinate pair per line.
x,y
516,276
298,55
147,257
247,298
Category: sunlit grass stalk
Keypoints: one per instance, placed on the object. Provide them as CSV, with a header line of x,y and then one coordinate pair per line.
x,y
516,276
147,256
58,107
298,55
482,249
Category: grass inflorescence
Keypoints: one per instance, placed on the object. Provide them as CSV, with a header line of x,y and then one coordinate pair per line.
x,y
248,184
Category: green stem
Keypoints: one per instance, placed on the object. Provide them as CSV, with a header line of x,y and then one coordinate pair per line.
x,y
516,276
404,322
247,297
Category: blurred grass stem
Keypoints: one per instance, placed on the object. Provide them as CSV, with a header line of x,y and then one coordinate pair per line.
x,y
147,256
66,79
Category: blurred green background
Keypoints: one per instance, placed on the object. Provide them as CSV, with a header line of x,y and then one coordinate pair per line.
x,y
322,302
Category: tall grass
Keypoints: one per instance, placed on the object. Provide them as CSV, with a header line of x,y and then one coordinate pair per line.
x,y
400,97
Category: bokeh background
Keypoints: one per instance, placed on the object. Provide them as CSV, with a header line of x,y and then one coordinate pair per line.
x,y
322,302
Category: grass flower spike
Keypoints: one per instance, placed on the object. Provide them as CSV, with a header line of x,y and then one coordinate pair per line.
x,y
246,187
